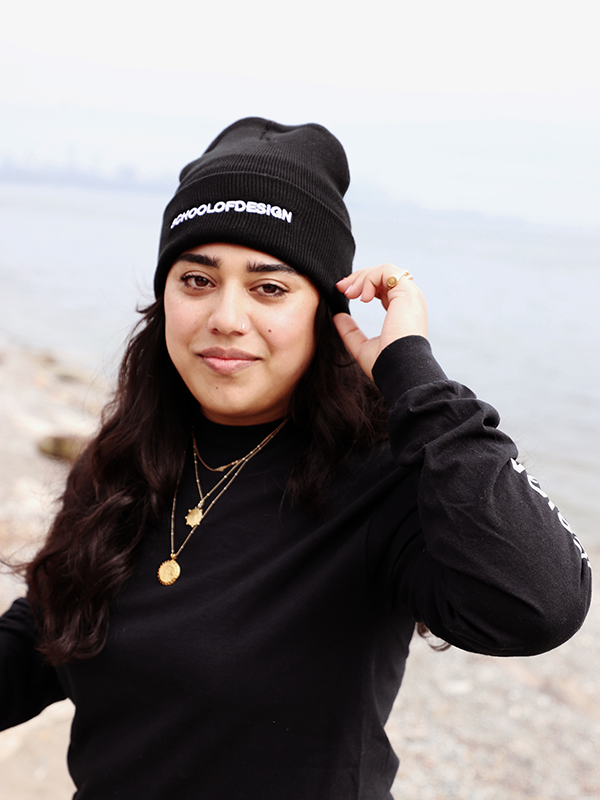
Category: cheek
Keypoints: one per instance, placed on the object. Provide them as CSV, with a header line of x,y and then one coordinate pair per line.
x,y
178,324
171,335
294,337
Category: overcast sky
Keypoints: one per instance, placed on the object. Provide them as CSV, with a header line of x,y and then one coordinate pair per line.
x,y
486,106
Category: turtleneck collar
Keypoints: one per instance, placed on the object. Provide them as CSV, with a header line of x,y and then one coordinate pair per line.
x,y
239,438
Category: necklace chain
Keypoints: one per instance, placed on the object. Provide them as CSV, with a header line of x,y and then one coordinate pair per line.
x,y
169,571
214,469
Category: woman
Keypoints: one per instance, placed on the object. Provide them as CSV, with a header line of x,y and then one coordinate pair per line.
x,y
229,590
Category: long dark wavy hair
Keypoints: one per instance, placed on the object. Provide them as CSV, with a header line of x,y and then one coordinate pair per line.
x,y
126,477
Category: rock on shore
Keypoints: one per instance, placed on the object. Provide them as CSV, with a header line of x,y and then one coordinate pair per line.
x,y
466,727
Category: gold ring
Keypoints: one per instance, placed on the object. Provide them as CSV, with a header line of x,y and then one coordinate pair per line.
x,y
393,279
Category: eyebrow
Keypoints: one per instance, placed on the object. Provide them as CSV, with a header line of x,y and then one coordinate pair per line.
x,y
251,266
198,258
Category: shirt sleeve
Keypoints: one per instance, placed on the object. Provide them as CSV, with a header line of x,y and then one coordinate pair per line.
x,y
27,683
494,567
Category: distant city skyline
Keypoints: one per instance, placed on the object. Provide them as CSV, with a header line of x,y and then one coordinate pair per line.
x,y
462,105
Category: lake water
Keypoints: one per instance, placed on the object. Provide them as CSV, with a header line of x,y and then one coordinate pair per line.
x,y
513,307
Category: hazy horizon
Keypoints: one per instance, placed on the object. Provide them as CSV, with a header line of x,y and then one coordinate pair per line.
x,y
466,105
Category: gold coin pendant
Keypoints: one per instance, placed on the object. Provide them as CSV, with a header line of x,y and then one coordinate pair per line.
x,y
194,517
168,572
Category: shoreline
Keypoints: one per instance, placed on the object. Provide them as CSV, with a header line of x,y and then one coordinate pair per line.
x,y
40,397
465,726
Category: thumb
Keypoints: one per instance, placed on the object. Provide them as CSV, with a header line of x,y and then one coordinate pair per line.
x,y
352,336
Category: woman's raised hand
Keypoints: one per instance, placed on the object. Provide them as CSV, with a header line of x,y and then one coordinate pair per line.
x,y
403,301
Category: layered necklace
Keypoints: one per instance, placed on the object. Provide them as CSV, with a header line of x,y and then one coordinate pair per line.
x,y
169,571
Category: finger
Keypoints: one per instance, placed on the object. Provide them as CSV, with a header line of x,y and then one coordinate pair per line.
x,y
399,285
363,350
348,280
343,284
364,284
352,285
351,334
407,313
372,282
375,283
395,279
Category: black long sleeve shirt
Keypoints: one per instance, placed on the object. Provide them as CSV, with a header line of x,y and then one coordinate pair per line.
x,y
269,668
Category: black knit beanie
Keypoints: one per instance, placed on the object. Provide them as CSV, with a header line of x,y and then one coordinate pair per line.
x,y
274,188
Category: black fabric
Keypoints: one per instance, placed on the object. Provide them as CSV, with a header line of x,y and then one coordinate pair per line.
x,y
269,668
237,193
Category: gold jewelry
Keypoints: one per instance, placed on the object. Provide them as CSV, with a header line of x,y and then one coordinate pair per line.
x,y
215,469
196,514
169,571
393,279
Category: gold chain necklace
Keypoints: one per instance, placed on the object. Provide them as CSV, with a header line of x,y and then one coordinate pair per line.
x,y
169,571
214,469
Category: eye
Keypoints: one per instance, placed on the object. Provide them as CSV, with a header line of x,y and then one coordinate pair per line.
x,y
271,290
193,281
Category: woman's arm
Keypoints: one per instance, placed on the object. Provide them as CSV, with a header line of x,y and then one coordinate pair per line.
x,y
27,684
497,569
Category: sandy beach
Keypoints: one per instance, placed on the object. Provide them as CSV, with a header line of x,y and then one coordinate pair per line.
x,y
466,727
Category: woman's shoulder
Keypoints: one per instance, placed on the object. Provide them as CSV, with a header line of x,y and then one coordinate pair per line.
x,y
18,617
368,472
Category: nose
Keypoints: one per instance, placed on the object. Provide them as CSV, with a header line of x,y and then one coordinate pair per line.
x,y
228,314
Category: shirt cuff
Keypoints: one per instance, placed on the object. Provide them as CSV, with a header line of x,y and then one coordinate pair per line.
x,y
404,364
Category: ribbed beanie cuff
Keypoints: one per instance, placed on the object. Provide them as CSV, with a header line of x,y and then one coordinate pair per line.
x,y
274,188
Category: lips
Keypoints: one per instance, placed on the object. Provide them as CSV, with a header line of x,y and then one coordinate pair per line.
x,y
227,361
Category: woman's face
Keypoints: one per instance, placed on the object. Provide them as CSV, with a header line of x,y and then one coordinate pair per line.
x,y
239,330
